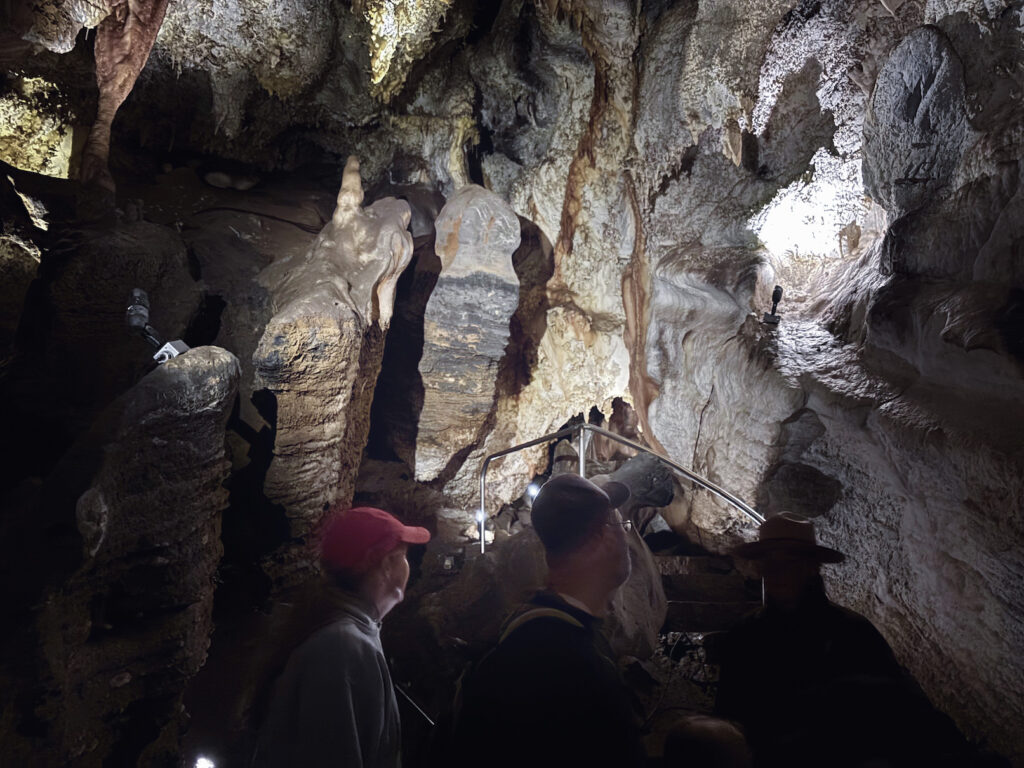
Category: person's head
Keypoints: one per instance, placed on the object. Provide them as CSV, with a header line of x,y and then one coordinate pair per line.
x,y
578,523
363,551
788,557
699,741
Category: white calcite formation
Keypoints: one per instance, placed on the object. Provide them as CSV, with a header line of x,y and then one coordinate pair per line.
x,y
320,353
278,45
34,134
466,325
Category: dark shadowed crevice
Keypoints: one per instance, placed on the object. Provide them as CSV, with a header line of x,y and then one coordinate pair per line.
x,y
398,396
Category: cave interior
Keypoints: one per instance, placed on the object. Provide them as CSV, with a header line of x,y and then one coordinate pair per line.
x,y
780,243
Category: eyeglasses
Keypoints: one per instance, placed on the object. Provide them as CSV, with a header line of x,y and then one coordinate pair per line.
x,y
627,525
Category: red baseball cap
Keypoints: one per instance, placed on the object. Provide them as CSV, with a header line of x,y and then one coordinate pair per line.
x,y
357,539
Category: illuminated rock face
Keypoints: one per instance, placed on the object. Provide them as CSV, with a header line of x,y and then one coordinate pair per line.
x,y
320,353
466,324
34,136
279,45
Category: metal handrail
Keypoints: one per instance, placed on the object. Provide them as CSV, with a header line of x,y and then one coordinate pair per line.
x,y
583,429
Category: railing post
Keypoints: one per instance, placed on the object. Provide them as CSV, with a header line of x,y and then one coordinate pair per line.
x,y
583,451
481,515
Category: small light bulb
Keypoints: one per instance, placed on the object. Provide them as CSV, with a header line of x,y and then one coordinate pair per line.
x,y
532,490
204,762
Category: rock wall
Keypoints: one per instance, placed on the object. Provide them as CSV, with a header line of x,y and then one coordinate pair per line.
x,y
99,649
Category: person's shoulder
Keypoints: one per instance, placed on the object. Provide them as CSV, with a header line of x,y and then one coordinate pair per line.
x,y
856,629
543,623
342,638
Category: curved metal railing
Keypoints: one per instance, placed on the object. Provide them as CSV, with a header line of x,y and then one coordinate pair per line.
x,y
583,430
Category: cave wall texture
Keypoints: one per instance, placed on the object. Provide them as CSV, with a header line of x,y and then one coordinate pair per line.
x,y
669,163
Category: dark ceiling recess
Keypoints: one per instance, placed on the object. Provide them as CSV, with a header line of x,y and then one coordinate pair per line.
x,y
484,15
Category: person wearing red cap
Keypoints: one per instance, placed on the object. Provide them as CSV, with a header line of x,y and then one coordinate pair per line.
x,y
334,704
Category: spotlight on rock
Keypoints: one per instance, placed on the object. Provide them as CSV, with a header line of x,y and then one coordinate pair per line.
x,y
770,318
137,319
531,491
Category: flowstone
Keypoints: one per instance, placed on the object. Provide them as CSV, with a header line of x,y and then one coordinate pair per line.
x,y
320,354
466,324
134,512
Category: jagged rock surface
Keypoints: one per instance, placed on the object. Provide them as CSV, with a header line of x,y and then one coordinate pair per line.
x,y
136,507
465,325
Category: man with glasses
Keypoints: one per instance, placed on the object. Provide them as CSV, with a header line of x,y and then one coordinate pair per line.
x,y
550,693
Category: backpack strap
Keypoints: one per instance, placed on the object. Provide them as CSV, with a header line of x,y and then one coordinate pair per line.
x,y
536,613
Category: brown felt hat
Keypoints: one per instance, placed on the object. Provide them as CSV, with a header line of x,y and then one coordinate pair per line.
x,y
788,532
567,506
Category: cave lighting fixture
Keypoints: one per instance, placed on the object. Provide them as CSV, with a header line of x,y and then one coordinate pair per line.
x,y
770,318
136,317
531,491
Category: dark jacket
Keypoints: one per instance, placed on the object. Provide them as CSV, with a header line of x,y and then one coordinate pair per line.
x,y
549,694
821,686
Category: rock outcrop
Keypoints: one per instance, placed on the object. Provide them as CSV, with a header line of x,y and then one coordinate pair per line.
x,y
466,325
318,359
132,513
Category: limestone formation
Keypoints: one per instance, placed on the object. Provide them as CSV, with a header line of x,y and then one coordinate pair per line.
x,y
125,36
279,45
319,356
76,319
466,325
917,129
34,131
670,163
114,642
18,264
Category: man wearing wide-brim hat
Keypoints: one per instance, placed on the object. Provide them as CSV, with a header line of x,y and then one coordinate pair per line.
x,y
813,683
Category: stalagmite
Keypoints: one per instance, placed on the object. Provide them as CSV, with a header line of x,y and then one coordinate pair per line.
x,y
319,356
466,325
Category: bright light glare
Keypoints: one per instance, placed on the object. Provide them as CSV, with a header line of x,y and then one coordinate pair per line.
x,y
805,218
480,516
532,490
204,762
